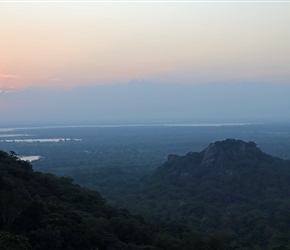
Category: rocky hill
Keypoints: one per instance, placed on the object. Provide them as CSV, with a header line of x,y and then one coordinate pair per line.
x,y
231,190
229,196
237,171
41,211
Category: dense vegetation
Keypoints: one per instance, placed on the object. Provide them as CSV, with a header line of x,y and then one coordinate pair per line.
x,y
42,211
55,214
132,149
230,190
238,200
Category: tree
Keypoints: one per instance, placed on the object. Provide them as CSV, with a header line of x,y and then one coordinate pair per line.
x,y
10,241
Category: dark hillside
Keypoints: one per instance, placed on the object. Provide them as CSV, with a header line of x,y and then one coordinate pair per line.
x,y
236,171
231,190
231,195
43,211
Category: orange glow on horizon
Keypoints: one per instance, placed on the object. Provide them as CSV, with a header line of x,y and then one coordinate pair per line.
x,y
62,45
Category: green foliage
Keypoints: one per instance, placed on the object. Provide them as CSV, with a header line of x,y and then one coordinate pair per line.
x,y
42,211
231,192
10,241
53,213
245,204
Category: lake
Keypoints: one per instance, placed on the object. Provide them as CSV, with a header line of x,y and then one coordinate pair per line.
x,y
30,158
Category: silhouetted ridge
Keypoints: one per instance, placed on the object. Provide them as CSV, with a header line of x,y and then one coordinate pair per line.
x,y
230,150
230,188
42,211
230,158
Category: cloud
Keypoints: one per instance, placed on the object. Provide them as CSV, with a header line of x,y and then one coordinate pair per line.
x,y
9,76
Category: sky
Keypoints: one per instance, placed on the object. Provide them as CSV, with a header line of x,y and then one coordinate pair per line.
x,y
67,45
70,44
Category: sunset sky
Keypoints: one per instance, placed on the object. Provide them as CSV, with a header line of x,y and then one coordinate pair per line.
x,y
63,45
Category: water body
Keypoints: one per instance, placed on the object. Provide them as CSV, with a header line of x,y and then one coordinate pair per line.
x,y
42,140
31,158
6,129
203,124
131,125
7,135
12,135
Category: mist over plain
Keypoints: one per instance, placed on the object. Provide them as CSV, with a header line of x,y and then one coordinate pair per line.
x,y
145,102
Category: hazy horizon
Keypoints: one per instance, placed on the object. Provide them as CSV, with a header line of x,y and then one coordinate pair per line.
x,y
74,62
147,102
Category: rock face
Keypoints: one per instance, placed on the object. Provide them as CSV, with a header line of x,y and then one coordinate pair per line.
x,y
220,153
229,158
